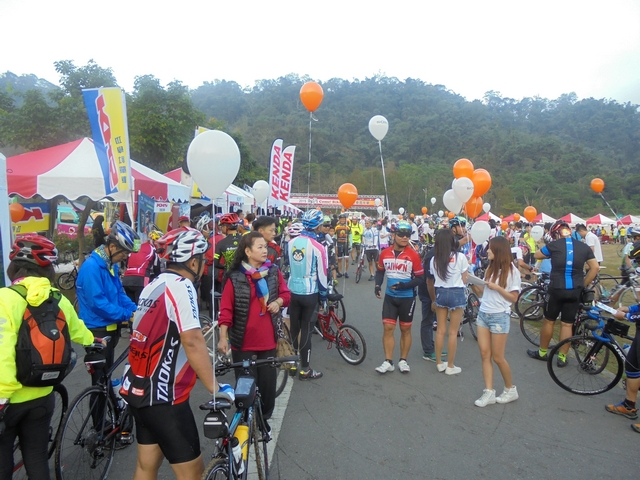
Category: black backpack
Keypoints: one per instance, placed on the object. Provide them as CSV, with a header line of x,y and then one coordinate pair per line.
x,y
43,348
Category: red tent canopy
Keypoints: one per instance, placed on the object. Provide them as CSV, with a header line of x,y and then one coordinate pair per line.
x,y
629,219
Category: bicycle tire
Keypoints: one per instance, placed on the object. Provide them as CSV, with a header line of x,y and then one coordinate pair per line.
x,y
210,333
260,450
628,297
585,372
66,281
471,313
605,285
358,273
283,370
351,345
340,311
79,451
218,469
531,325
527,297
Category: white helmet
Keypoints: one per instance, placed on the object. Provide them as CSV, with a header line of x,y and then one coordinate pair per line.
x,y
295,229
203,223
181,244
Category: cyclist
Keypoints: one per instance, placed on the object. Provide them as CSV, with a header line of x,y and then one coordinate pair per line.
x,y
226,248
184,221
206,226
592,240
103,304
26,412
356,239
308,285
142,267
328,243
404,272
371,243
568,258
343,232
628,263
167,352
458,226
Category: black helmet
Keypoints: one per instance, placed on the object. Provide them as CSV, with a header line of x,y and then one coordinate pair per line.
x,y
634,253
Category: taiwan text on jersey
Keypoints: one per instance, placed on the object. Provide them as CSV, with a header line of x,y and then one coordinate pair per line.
x,y
400,267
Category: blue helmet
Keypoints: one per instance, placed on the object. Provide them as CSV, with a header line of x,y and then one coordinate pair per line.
x,y
403,226
125,236
312,219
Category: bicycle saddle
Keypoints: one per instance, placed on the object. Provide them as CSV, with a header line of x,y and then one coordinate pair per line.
x,y
334,297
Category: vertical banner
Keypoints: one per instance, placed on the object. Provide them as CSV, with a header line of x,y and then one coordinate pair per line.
x,y
107,111
286,174
5,224
145,215
274,172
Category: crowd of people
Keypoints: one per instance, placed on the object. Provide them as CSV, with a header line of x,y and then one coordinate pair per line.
x,y
249,269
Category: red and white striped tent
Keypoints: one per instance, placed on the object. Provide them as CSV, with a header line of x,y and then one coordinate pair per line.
x,y
629,219
600,220
487,216
543,218
572,219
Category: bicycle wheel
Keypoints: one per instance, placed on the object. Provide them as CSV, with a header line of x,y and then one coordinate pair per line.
x,y
529,296
210,333
604,287
358,273
351,345
218,469
81,450
588,370
339,310
260,448
628,297
471,313
283,370
531,322
66,281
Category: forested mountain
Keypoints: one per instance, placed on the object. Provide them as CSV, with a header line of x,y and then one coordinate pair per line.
x,y
539,152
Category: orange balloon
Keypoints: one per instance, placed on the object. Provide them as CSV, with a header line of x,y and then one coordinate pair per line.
x,y
516,217
597,185
504,226
347,194
17,212
501,217
474,206
412,216
481,182
463,168
451,214
446,212
424,210
530,213
311,95
399,217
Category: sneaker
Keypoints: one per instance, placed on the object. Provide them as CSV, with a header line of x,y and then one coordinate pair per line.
x,y
432,356
536,354
346,275
403,366
636,427
621,409
339,275
561,363
452,370
441,367
310,374
488,398
508,395
372,278
385,367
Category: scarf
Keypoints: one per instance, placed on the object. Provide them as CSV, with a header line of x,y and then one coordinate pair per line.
x,y
101,251
258,277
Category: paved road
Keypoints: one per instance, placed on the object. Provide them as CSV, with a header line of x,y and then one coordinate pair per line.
x,y
356,424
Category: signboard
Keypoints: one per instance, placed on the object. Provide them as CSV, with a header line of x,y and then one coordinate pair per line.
x,y
36,219
331,201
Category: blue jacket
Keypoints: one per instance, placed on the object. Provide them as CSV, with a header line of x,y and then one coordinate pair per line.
x,y
101,298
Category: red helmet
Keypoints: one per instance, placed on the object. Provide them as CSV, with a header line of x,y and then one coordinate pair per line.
x,y
35,249
229,219
557,228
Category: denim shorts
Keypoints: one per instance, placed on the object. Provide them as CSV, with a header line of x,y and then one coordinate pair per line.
x,y
495,322
450,298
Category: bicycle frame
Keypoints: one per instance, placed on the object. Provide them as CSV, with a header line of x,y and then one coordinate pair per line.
x,y
325,325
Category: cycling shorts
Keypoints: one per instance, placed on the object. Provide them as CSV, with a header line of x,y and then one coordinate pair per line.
x,y
356,246
396,308
564,303
176,433
372,255
632,364
343,250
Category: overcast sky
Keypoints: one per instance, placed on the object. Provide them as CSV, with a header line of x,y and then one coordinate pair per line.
x,y
518,48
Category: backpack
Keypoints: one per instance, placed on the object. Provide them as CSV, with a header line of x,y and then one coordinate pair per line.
x,y
43,348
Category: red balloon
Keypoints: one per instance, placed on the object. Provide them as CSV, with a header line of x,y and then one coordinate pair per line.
x,y
481,182
17,212
463,168
597,185
311,95
347,194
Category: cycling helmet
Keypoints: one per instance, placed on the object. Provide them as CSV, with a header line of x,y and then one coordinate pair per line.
x,y
203,223
403,226
295,229
181,244
633,232
634,253
154,235
326,220
343,215
557,227
35,249
229,219
458,221
312,219
123,235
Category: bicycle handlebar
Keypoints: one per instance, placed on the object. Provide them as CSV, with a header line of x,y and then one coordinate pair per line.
x,y
226,366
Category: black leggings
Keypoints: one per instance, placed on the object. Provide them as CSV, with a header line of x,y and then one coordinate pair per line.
x,y
301,309
265,376
29,421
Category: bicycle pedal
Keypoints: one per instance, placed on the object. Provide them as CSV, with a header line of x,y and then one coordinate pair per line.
x,y
126,438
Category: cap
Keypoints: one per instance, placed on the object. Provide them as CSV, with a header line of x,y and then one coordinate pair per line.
x,y
184,218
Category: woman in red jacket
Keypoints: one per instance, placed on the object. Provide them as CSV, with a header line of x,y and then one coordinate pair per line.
x,y
254,293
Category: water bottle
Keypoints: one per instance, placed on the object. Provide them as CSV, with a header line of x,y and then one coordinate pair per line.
x,y
115,385
237,455
242,434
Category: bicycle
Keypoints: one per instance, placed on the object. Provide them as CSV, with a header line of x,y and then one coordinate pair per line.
x,y
67,281
624,294
95,420
61,398
470,314
587,371
247,427
348,340
360,266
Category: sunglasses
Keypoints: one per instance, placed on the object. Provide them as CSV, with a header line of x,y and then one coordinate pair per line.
x,y
403,234
326,225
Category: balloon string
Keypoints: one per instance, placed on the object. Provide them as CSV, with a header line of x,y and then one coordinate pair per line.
x,y
615,215
213,305
309,174
384,177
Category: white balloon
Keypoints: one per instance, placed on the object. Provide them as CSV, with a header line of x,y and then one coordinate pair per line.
x,y
480,232
378,126
463,188
380,209
401,210
451,201
486,207
433,200
440,213
214,160
378,202
260,191
537,232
